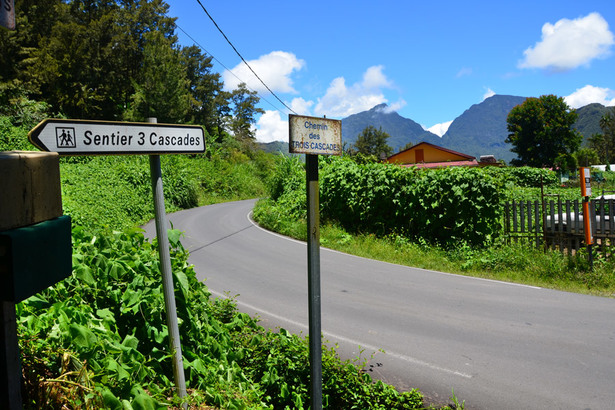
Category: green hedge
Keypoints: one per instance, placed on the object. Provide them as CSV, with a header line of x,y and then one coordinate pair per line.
x,y
441,206
526,177
116,191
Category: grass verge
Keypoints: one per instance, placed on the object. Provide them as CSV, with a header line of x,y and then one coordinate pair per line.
x,y
517,263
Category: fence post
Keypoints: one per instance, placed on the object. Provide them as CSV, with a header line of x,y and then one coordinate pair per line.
x,y
544,212
536,224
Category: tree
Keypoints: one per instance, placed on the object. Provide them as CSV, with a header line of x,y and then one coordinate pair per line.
x,y
540,130
604,144
82,57
373,141
566,162
163,92
205,91
244,110
18,115
586,157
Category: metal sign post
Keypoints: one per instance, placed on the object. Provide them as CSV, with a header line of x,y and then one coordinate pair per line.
x,y
314,136
314,309
167,273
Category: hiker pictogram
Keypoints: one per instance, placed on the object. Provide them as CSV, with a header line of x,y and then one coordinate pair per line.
x,y
65,137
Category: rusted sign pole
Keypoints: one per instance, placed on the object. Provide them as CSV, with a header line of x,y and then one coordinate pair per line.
x,y
314,136
314,306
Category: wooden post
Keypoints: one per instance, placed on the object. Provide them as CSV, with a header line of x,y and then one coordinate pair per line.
x,y
10,368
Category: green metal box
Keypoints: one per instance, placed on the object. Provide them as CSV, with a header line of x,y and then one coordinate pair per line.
x,y
34,257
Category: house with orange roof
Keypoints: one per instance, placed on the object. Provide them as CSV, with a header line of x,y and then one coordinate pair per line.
x,y
426,155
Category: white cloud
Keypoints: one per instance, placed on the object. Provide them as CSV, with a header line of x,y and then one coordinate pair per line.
x,y
590,94
488,93
274,69
465,71
301,106
341,100
568,44
374,78
440,129
394,107
271,127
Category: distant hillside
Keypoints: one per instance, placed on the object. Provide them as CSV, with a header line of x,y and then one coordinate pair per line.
x,y
275,147
480,130
402,130
588,122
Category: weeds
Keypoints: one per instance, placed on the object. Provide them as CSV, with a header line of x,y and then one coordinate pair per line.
x,y
98,340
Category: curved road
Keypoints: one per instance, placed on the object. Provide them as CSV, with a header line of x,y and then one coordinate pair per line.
x,y
498,345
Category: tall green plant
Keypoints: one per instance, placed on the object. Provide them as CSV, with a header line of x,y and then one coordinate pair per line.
x,y
441,206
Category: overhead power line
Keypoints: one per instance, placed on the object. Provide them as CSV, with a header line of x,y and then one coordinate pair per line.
x,y
243,59
225,67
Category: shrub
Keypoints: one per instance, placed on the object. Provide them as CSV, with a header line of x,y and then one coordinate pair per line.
x,y
527,177
441,206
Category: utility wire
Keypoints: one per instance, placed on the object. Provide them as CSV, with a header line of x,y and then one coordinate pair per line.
x,y
243,59
225,67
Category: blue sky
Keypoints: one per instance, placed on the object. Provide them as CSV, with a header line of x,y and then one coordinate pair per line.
x,y
429,61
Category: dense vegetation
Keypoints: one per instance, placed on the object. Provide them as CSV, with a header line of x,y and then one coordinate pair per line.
x,y
115,60
99,340
226,173
442,206
372,198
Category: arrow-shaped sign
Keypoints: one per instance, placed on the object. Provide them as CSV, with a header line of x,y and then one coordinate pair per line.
x,y
85,137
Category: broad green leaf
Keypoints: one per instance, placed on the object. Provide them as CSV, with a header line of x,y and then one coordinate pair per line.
x,y
84,273
81,335
174,236
111,402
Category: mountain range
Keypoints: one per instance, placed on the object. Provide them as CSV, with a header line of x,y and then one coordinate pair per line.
x,y
480,130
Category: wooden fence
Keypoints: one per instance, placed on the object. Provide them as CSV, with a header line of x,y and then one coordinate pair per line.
x,y
559,224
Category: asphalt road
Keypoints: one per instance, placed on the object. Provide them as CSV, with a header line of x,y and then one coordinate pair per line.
x,y
498,345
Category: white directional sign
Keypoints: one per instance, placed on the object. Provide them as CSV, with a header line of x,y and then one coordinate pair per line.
x,y
81,137
314,135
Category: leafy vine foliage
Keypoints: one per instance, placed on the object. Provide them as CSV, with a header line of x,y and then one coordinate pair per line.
x,y
99,340
443,206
